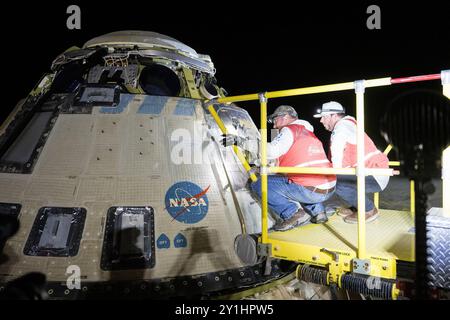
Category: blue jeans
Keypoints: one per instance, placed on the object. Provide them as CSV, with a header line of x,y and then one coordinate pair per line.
x,y
285,197
346,190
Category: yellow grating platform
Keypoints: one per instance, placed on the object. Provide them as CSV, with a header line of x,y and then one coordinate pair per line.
x,y
392,234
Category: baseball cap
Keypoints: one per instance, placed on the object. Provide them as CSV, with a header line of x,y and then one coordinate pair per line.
x,y
281,111
330,108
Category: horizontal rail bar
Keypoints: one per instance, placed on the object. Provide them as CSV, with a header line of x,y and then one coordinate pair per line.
x,y
338,171
331,88
379,82
427,77
308,90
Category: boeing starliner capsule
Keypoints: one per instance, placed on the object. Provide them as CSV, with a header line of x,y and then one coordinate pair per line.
x,y
113,168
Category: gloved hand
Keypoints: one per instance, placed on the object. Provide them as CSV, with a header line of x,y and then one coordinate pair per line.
x,y
231,139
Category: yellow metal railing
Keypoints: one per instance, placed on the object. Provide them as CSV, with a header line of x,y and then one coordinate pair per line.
x,y
263,172
308,90
360,171
385,266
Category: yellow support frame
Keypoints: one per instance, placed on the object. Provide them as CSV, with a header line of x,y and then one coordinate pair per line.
x,y
384,267
193,91
359,87
380,266
264,205
236,150
412,197
308,90
361,169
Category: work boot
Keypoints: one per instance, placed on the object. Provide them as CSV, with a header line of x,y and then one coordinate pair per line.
x,y
370,216
320,218
330,211
299,218
344,212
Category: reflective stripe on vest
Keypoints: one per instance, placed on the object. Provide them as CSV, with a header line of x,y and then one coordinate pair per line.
x,y
306,151
373,157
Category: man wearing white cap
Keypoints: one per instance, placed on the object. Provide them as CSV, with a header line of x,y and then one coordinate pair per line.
x,y
295,146
343,155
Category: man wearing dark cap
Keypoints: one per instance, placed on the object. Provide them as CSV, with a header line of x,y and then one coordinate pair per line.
x,y
343,155
288,195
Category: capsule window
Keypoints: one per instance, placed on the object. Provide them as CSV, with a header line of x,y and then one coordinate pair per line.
x,y
158,80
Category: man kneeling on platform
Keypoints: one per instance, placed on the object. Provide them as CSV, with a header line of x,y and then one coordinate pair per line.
x,y
343,155
289,196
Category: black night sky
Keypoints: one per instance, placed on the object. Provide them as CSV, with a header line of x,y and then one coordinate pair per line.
x,y
255,47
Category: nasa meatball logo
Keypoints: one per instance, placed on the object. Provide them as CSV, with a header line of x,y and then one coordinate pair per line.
x,y
187,202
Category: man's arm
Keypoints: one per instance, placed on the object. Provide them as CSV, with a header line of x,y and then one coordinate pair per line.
x,y
280,145
337,145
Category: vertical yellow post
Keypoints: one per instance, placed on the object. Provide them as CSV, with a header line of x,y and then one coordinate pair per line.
x,y
412,198
446,182
376,195
361,174
376,200
263,171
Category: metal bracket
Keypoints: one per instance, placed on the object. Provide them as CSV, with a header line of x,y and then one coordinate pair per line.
x,y
334,268
254,170
360,172
262,97
268,266
334,273
264,170
207,103
361,266
264,249
359,86
335,255
191,85
445,77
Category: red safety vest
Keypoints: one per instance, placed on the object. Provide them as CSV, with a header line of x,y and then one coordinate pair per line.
x,y
373,158
306,151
